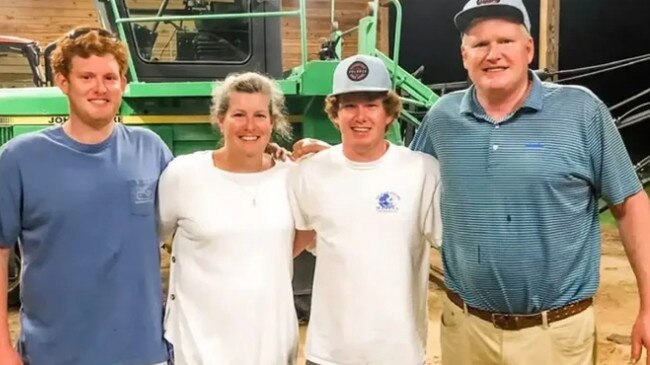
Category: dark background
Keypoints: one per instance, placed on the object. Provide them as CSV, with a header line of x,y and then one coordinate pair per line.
x,y
591,32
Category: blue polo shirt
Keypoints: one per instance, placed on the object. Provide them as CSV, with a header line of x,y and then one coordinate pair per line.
x,y
85,215
520,198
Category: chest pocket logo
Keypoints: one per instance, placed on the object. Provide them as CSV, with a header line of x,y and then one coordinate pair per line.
x,y
143,196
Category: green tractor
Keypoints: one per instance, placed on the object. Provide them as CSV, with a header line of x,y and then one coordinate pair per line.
x,y
179,47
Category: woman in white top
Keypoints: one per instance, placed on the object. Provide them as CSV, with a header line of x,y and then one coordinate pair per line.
x,y
230,298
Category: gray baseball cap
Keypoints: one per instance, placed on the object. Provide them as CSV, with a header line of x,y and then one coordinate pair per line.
x,y
491,8
360,73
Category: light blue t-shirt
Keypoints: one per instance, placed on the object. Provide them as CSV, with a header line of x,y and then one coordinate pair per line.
x,y
519,198
85,215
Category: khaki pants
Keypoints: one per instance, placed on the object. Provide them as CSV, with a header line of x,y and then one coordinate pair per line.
x,y
468,340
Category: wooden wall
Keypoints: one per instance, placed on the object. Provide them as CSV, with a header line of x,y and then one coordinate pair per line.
x,y
40,20
45,20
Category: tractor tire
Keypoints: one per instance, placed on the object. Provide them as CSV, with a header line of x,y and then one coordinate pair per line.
x,y
13,280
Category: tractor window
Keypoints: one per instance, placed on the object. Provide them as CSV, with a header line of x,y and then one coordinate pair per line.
x,y
17,69
205,40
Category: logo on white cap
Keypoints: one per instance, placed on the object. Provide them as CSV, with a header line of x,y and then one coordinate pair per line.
x,y
485,2
357,71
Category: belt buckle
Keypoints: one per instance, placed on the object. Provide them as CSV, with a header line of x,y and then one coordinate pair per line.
x,y
505,321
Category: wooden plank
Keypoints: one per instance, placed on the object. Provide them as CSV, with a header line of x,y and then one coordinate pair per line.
x,y
5,84
382,42
14,69
549,34
9,14
68,4
23,79
154,4
12,59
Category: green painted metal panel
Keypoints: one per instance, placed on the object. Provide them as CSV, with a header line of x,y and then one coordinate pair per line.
x,y
50,100
22,129
367,43
167,106
168,89
172,18
166,133
317,78
188,89
410,118
187,138
33,101
316,124
6,133
182,148
412,86
321,130
9,132
394,135
195,132
180,138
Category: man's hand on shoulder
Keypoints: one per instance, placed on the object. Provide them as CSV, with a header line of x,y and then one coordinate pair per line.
x,y
307,146
277,152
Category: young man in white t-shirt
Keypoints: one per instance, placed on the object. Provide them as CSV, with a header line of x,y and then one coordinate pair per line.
x,y
374,207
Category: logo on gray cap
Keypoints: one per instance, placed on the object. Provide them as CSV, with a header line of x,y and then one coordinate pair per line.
x,y
357,71
483,2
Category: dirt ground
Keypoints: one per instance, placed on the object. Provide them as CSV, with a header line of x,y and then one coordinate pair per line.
x,y
616,307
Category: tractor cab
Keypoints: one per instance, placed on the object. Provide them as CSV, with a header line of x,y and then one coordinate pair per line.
x,y
196,40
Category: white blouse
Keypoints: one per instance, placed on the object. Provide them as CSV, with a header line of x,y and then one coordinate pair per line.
x,y
230,298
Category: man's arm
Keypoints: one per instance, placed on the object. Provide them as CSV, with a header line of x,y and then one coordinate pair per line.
x,y
633,218
431,222
8,355
299,202
307,146
303,240
617,182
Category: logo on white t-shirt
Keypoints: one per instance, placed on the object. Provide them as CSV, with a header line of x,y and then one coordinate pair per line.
x,y
387,202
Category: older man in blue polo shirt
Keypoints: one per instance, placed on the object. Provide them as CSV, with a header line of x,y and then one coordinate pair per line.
x,y
523,164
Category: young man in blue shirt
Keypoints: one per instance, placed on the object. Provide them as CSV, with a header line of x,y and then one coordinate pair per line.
x,y
80,197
